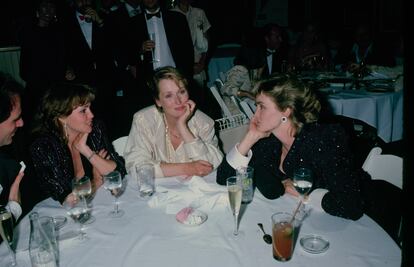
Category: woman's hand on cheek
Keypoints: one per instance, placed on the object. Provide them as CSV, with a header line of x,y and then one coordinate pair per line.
x,y
80,143
189,111
255,132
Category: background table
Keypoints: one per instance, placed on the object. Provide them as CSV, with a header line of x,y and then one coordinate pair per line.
x,y
147,236
221,61
383,111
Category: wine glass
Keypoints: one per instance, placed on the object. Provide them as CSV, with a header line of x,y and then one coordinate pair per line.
x,y
302,181
78,210
113,183
235,189
6,230
82,188
153,38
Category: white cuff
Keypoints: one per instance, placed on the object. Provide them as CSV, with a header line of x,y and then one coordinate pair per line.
x,y
315,199
15,209
237,160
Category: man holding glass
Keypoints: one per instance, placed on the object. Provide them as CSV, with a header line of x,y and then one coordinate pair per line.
x,y
10,121
167,48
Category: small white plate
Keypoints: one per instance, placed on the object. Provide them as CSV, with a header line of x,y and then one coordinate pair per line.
x,y
194,218
314,244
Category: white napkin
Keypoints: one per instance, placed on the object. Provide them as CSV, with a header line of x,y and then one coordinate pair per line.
x,y
196,193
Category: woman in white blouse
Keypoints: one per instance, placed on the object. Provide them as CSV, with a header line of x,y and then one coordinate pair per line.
x,y
177,139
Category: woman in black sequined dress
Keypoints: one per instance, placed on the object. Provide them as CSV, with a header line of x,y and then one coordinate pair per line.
x,y
285,134
69,143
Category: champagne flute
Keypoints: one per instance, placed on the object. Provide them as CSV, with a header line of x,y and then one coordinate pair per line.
x,y
6,230
235,189
82,188
113,183
302,181
153,38
79,212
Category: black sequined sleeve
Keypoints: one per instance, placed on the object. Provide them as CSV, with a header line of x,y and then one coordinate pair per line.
x,y
337,174
53,167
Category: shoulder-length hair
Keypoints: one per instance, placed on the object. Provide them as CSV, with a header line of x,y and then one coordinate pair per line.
x,y
59,102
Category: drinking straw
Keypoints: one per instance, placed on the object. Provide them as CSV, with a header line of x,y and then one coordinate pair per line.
x,y
296,211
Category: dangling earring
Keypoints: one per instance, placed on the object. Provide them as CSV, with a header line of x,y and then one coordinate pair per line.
x,y
284,119
65,130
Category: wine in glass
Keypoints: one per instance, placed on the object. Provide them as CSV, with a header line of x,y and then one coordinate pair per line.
x,y
82,188
153,37
6,230
79,212
113,183
235,189
302,181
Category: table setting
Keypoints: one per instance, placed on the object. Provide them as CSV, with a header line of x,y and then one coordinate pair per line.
x,y
197,226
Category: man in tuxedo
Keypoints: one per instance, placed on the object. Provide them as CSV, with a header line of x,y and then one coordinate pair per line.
x,y
269,55
172,45
89,55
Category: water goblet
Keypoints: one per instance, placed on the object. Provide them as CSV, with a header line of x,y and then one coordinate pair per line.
x,y
78,210
6,231
113,183
302,181
235,189
82,188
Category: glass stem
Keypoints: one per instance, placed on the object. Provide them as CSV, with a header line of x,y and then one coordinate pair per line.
x,y
236,224
116,210
81,232
12,254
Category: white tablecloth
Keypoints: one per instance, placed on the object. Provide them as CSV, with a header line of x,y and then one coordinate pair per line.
x,y
147,236
384,111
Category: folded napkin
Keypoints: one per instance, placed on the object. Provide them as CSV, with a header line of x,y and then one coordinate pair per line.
x,y
195,193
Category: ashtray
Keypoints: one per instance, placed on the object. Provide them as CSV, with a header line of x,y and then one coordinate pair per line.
x,y
314,244
191,217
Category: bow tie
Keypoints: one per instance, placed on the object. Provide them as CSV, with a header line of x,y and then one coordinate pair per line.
x,y
270,52
82,18
157,14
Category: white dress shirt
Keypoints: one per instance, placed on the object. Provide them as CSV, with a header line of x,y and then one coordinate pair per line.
x,y
86,28
162,51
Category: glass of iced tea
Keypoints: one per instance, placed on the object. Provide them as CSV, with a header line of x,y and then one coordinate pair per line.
x,y
283,229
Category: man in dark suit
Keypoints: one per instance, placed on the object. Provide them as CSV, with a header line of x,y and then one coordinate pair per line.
x,y
88,54
172,45
118,30
42,54
10,122
269,55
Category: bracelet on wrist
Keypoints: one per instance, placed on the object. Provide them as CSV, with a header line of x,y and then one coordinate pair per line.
x,y
91,155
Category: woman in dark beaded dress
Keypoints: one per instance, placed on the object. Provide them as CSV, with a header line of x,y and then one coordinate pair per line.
x,y
284,135
69,143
